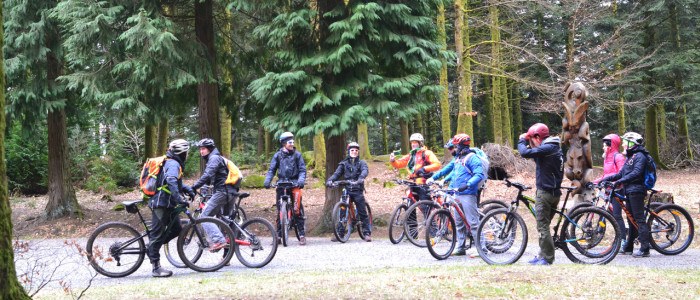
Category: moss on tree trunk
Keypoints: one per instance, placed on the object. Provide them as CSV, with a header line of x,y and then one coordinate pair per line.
x,y
162,144
405,145
363,140
150,142
225,147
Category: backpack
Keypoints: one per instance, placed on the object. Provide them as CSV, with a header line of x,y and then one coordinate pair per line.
x,y
650,173
148,181
484,158
234,174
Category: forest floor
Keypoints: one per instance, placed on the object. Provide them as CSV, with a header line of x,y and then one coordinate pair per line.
x,y
97,208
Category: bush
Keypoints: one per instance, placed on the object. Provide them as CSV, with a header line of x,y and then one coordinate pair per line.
x,y
253,181
110,173
27,161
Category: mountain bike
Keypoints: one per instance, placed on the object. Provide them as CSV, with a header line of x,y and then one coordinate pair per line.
x,y
670,226
286,217
440,229
345,215
116,249
203,196
589,235
398,215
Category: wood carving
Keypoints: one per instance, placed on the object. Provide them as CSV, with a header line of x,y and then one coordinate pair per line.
x,y
576,135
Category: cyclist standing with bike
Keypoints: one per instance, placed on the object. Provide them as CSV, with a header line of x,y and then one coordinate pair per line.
x,y
446,171
632,179
354,169
420,163
217,171
165,224
289,166
613,161
549,159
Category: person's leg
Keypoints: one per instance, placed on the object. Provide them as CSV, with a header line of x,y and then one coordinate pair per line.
x,y
213,208
461,229
158,234
617,213
471,212
636,201
632,231
361,205
544,202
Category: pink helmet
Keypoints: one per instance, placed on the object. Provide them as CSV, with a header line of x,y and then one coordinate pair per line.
x,y
538,129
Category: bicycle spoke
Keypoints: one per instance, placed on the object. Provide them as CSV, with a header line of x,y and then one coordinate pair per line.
x,y
501,237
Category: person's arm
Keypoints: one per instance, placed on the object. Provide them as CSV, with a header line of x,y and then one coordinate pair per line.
x,y
526,152
401,162
271,172
171,170
434,162
338,172
364,172
209,171
302,170
444,171
640,163
477,172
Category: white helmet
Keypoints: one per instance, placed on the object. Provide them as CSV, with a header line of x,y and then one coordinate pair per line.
x,y
633,137
285,136
416,137
179,146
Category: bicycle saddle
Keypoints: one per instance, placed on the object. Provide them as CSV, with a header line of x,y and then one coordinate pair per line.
x,y
243,195
569,187
131,206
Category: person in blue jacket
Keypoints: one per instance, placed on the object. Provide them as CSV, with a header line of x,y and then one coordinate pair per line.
x,y
446,171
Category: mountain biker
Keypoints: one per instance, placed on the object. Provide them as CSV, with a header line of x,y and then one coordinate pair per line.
x,y
216,172
446,171
632,179
549,160
354,169
613,161
165,224
289,166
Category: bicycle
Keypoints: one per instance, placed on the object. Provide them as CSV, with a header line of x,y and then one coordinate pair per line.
x,y
665,221
120,246
441,231
203,196
345,215
398,215
286,216
502,234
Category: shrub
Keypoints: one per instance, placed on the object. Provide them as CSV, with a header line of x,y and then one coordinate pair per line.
x,y
27,161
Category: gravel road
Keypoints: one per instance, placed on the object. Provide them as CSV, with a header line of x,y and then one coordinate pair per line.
x,y
320,254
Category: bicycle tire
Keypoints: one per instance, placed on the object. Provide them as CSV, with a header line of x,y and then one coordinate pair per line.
x,y
590,235
415,228
667,233
284,223
200,241
576,206
341,222
396,231
102,247
487,206
241,216
295,221
171,254
501,238
360,232
257,235
441,236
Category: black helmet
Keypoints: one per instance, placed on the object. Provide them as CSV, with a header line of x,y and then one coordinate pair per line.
x,y
207,142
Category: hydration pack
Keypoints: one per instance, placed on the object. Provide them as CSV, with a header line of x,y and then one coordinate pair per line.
x,y
148,181
650,173
484,158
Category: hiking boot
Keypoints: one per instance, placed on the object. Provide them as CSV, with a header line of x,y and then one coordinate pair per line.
x,y
472,252
367,238
625,252
334,239
217,246
641,253
158,271
533,260
459,253
541,262
302,241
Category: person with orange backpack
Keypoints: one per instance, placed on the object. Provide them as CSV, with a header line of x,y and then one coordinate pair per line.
x,y
168,189
225,179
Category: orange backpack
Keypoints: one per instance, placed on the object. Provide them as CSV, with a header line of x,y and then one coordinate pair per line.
x,y
233,173
148,182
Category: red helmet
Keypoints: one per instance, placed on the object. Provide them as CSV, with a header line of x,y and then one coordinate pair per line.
x,y
538,129
461,139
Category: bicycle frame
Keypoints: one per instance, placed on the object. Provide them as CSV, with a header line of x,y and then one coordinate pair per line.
x,y
647,210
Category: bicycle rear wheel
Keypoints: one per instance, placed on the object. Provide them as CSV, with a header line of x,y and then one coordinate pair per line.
x,y
341,222
115,249
415,222
487,206
241,217
170,250
360,232
441,234
593,234
501,237
671,228
256,243
396,231
202,237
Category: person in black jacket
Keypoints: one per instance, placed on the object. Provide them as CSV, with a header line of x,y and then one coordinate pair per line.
x,y
163,202
290,168
354,169
631,176
216,173
549,159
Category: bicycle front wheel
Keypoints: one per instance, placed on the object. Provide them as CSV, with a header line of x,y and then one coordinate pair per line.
x,y
441,234
341,222
593,234
284,223
671,228
415,223
256,243
501,237
170,250
212,239
396,231
115,249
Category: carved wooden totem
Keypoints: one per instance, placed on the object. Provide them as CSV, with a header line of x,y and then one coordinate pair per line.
x,y
576,135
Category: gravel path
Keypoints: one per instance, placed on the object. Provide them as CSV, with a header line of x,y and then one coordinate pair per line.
x,y
319,255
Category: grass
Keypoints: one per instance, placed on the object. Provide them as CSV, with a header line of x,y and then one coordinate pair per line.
x,y
564,281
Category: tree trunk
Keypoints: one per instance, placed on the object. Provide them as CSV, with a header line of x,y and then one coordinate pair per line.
x,y
225,147
682,124
261,141
162,145
621,128
496,92
62,200
652,135
363,140
465,122
488,102
150,146
9,285
517,113
505,113
320,151
681,116
334,155
207,91
269,143
385,136
661,123
405,145
444,95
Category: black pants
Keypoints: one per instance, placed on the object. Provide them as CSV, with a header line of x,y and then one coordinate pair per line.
x,y
166,226
617,213
635,205
297,210
361,205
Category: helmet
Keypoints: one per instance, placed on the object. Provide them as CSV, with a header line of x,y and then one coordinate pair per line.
x,y
207,142
461,139
449,144
286,136
353,145
416,137
179,146
538,129
633,137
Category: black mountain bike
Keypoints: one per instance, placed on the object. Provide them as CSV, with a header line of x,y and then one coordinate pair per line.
x,y
345,215
398,216
286,217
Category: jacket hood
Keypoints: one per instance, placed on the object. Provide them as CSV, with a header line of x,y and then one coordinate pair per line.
x,y
614,143
213,152
551,140
180,158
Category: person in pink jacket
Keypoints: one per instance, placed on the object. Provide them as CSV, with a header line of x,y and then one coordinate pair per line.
x,y
613,161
